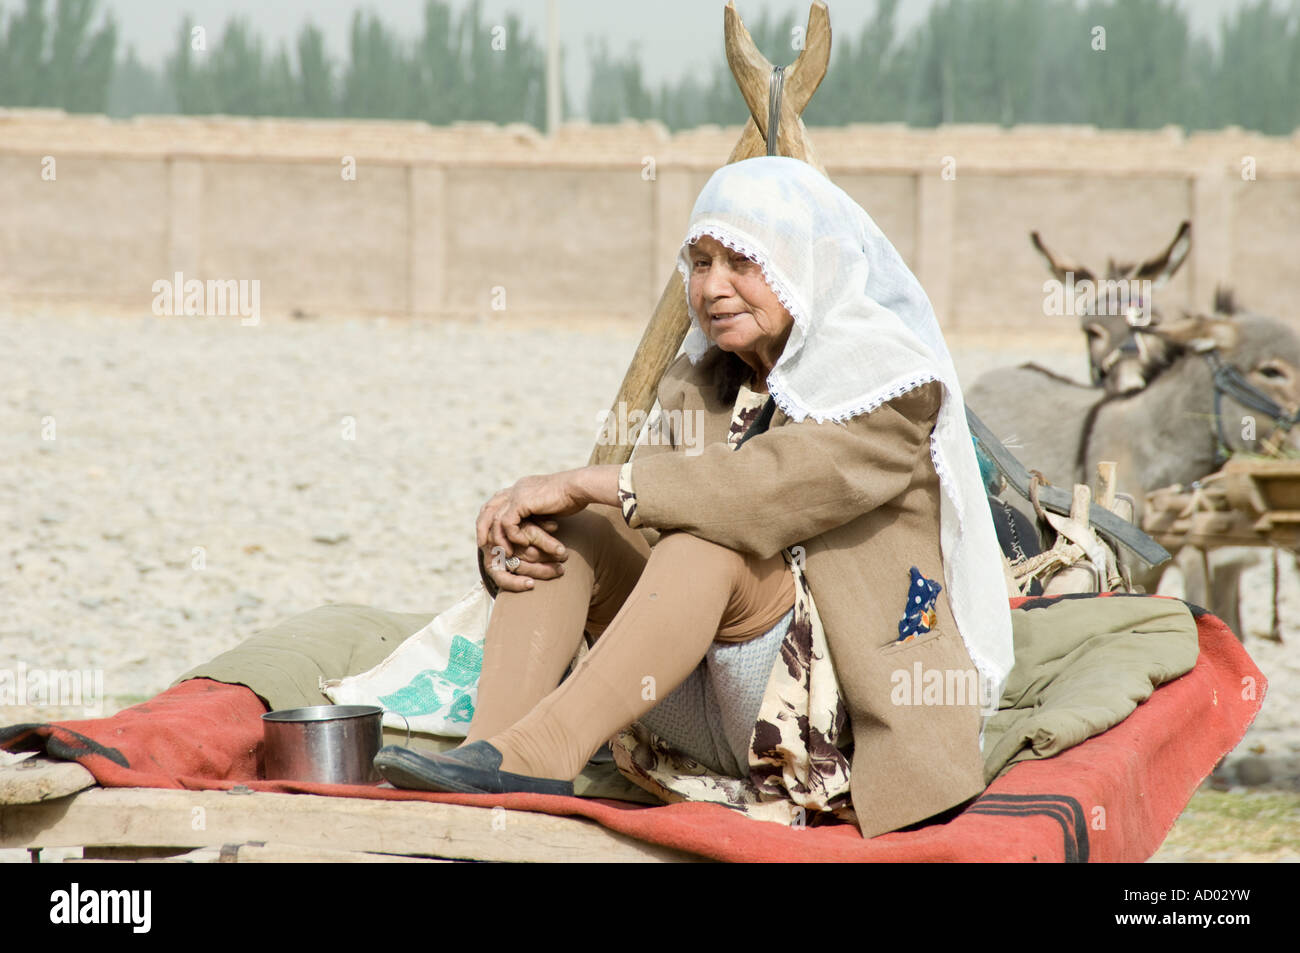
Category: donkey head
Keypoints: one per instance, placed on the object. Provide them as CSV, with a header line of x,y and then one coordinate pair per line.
x,y
1264,356
1117,316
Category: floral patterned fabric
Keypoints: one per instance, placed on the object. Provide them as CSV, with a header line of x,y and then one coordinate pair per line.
x,y
626,497
798,770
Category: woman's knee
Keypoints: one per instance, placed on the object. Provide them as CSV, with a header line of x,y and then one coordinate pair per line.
x,y
703,555
584,529
760,588
599,534
749,592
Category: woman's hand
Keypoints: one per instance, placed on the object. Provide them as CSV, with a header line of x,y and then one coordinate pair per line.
x,y
504,529
534,561
500,519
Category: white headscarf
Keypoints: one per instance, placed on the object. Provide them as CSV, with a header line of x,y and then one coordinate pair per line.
x,y
864,332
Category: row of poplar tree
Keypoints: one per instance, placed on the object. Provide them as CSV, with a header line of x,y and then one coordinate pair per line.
x,y
1111,63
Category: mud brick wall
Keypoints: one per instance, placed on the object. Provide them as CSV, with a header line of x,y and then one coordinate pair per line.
x,y
471,218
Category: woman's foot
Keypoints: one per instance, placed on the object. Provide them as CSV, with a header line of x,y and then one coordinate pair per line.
x,y
474,768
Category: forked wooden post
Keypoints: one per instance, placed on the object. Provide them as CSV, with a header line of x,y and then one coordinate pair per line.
x,y
670,321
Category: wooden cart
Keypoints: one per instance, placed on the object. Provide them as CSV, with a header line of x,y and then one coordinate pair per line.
x,y
1252,501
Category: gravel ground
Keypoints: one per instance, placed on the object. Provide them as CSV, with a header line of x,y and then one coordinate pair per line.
x,y
206,480
170,487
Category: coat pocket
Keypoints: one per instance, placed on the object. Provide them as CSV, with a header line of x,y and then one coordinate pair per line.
x,y
894,648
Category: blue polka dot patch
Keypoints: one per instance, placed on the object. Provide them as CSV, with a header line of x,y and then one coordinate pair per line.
x,y
920,615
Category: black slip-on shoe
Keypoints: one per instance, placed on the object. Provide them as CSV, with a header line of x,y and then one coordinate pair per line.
x,y
470,769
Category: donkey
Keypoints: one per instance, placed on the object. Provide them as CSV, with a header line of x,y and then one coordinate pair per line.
x,y
1220,585
1177,429
1122,355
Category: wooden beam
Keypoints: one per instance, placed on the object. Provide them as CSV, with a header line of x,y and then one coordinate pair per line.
x,y
143,816
801,79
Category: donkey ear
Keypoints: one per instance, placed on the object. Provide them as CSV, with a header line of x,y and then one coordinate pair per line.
x,y
1060,267
1200,332
1225,300
1164,266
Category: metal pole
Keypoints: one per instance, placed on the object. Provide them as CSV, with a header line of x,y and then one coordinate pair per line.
x,y
552,68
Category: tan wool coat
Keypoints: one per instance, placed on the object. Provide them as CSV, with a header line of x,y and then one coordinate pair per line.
x,y
862,499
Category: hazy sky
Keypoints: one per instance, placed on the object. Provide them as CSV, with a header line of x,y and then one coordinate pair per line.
x,y
671,34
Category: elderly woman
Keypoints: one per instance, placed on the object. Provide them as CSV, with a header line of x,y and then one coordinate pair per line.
x,y
793,621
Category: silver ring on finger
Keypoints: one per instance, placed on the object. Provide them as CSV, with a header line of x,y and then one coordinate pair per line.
x,y
512,563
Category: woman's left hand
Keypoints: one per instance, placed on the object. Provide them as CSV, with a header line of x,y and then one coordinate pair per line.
x,y
554,494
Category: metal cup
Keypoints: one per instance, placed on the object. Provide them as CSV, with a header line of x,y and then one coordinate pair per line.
x,y
332,744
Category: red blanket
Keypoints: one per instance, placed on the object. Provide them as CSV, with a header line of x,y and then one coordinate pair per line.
x,y
1112,798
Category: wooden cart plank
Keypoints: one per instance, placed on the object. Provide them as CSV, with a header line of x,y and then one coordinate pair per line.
x,y
290,853
121,854
140,816
40,779
255,853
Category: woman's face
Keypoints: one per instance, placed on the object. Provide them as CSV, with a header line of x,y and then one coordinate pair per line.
x,y
737,309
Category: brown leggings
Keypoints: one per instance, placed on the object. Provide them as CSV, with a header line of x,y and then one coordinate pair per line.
x,y
653,613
